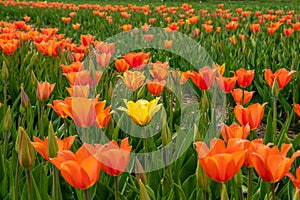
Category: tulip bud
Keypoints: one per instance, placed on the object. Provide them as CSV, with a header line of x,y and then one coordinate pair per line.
x,y
275,88
8,119
33,78
26,152
139,171
202,178
52,143
5,72
143,191
204,101
142,92
25,102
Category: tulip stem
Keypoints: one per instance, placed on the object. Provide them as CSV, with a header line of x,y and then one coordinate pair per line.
x,y
224,194
55,189
42,120
116,188
249,183
29,184
86,194
85,135
17,180
273,191
274,122
204,194
65,127
5,92
5,143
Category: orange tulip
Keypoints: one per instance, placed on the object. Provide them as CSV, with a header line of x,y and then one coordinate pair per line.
x,y
77,56
137,60
233,40
297,109
270,163
219,162
288,32
80,170
168,43
238,96
57,107
282,76
103,47
102,114
66,19
296,181
126,27
44,89
234,131
76,26
251,146
41,146
156,87
83,78
121,65
113,159
26,18
73,67
86,39
255,28
204,78
79,91
226,84
72,14
251,115
245,77
133,80
159,70
103,59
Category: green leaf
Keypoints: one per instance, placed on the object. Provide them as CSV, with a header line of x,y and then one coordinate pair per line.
x,y
269,129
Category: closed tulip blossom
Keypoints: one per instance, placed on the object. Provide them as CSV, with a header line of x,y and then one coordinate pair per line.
x,y
44,89
245,77
204,78
241,98
113,158
226,84
121,65
234,131
133,80
282,76
137,60
219,162
142,111
156,87
251,115
272,164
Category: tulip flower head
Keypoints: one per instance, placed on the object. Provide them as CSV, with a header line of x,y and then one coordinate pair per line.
x,y
142,111
282,76
44,89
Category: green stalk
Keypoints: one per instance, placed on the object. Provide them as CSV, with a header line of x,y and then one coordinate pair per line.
x,y
42,120
65,127
116,188
249,183
204,194
17,181
273,191
5,143
86,194
274,122
85,135
5,92
30,195
55,188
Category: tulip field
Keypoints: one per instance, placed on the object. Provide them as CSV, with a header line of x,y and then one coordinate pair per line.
x,y
139,100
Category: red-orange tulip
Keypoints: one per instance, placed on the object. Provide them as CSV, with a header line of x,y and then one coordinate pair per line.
x,y
113,159
126,27
204,78
41,146
76,26
156,87
73,67
270,163
238,96
255,28
44,89
137,60
121,65
226,84
245,77
234,131
296,181
282,76
83,78
288,32
57,107
80,170
86,39
251,115
297,109
219,162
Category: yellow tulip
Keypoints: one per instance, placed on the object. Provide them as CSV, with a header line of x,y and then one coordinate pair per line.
x,y
142,111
